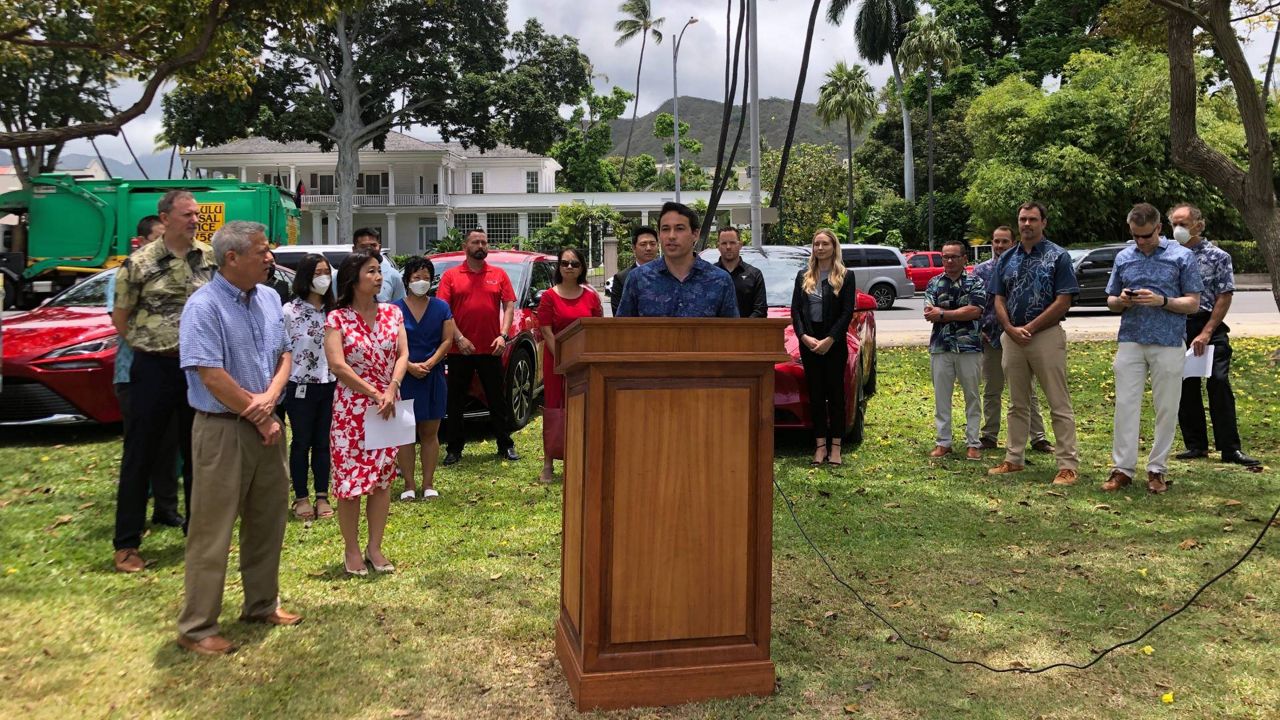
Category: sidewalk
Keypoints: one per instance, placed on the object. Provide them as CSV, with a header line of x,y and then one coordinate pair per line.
x,y
1251,281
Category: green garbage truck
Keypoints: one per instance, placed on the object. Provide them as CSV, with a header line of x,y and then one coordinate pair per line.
x,y
67,229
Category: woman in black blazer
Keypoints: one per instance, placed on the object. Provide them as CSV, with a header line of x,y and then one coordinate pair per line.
x,y
821,308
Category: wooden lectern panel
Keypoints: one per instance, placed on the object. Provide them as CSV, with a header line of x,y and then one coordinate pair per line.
x,y
575,434
677,558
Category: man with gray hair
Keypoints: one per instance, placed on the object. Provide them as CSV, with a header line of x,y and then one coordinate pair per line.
x,y
235,353
1155,284
152,287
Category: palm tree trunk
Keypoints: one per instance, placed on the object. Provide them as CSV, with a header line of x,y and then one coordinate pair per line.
x,y
848,137
1271,64
908,152
928,85
626,154
776,199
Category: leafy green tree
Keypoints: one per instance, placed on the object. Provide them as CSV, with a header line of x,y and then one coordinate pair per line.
x,y
932,49
581,154
812,195
664,128
847,95
638,20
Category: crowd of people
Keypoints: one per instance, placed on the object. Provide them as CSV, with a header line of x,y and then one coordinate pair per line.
x,y
212,366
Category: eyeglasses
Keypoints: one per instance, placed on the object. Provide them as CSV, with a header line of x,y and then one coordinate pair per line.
x,y
952,257
570,264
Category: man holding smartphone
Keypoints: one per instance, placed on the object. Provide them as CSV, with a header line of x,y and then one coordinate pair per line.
x,y
1155,285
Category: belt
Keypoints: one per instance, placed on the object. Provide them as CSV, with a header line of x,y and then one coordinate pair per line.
x,y
220,416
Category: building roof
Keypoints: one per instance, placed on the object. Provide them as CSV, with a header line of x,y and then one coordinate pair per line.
x,y
396,142
501,151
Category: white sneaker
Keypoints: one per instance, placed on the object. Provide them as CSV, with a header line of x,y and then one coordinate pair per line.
x,y
430,494
408,495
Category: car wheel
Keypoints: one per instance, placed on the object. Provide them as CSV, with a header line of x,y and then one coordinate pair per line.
x,y
520,387
884,295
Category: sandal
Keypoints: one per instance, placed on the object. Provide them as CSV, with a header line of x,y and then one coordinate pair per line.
x,y
323,509
302,509
835,445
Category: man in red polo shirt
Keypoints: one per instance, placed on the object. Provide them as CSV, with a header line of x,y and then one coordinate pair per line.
x,y
476,292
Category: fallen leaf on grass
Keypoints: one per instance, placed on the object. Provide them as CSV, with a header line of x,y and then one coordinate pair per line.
x,y
87,505
495,576
852,708
1147,650
830,615
59,521
1055,494
1142,572
1102,506
401,713
893,505
866,686
1018,571
1232,503
902,603
1167,698
1188,544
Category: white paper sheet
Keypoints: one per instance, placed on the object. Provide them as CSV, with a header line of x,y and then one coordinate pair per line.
x,y
397,431
1200,367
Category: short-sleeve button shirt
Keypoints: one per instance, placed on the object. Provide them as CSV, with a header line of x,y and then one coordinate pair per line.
x,y
304,325
154,284
652,291
955,336
1216,272
1170,270
1031,281
988,324
476,298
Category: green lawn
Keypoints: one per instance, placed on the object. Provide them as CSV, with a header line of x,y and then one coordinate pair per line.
x,y
1005,571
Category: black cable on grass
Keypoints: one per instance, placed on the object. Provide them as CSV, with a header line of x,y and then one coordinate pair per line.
x,y
870,607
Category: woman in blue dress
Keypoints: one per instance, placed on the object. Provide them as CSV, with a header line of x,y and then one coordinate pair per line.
x,y
428,323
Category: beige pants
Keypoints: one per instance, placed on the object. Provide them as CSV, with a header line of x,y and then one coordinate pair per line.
x,y
1134,363
235,476
993,389
1045,359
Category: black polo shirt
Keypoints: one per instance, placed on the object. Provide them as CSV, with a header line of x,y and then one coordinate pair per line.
x,y
748,285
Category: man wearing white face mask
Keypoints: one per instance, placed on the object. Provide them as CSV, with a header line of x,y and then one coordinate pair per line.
x,y
1205,328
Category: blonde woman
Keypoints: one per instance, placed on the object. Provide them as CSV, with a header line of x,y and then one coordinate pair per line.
x,y
821,309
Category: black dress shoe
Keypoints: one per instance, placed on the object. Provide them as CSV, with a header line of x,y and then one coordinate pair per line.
x,y
451,458
508,454
1239,458
1192,454
171,519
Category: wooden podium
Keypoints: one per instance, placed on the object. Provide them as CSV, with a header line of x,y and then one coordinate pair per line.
x,y
667,554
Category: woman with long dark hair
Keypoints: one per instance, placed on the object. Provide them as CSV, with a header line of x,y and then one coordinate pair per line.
x,y
428,324
308,398
367,350
569,299
821,309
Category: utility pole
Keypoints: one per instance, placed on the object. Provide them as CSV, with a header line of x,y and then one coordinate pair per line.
x,y
753,62
675,99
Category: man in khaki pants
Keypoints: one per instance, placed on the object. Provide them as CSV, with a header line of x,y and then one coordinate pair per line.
x,y
236,357
1034,284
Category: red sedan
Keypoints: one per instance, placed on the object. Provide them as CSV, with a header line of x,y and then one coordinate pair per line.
x,y
779,264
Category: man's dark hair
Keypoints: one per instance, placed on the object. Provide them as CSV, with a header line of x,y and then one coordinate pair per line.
x,y
1033,205
349,275
366,232
146,224
474,230
958,243
303,276
168,199
642,230
1007,229
684,210
729,228
582,265
417,264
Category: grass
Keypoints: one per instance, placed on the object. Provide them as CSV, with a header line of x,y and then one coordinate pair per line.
x,y
1001,570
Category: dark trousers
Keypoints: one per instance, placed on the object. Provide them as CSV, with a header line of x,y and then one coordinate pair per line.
x,y
164,480
157,403
309,419
1222,402
824,374
461,369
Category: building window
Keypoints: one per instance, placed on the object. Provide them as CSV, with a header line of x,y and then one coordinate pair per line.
x,y
321,184
477,183
428,233
466,222
538,220
503,227
531,181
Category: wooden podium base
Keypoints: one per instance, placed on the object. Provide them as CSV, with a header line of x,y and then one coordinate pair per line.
x,y
664,686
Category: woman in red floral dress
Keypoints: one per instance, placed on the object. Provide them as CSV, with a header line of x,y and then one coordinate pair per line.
x,y
366,347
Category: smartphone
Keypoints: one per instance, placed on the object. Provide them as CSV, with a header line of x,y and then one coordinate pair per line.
x,y
1129,292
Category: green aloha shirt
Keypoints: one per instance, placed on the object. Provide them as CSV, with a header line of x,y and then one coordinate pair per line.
x,y
154,284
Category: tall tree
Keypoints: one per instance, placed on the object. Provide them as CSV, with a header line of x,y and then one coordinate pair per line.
x,y
776,198
732,64
932,49
878,31
582,152
639,20
847,95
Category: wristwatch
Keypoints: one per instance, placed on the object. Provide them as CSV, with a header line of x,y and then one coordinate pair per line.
x,y
505,337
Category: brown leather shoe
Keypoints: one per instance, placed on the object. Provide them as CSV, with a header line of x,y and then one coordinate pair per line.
x,y
973,454
1005,468
1065,477
1043,446
1116,481
279,617
212,645
1156,483
129,561
988,444
939,451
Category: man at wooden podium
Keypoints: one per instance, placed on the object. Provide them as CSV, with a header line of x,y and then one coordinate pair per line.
x,y
681,284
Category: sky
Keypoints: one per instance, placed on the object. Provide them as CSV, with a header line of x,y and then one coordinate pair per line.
x,y
782,31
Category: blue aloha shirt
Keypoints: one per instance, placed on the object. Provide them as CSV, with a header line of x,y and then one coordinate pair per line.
x,y
1216,272
955,336
988,324
652,291
1031,281
1170,270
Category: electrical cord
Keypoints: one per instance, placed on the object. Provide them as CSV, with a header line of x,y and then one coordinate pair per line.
x,y
870,607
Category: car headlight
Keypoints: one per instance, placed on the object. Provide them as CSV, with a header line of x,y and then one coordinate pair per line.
x,y
89,347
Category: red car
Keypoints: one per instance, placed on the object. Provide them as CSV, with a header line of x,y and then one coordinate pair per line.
x,y
779,265
531,274
925,265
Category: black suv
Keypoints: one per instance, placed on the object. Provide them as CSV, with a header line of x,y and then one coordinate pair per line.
x,y
1093,272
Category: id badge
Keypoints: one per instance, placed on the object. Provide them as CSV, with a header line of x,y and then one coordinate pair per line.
x,y
301,391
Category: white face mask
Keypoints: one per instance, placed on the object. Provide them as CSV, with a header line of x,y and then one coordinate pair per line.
x,y
320,284
419,287
1182,235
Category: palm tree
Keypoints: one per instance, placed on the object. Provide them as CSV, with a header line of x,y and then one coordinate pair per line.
x,y
639,20
878,32
847,95
933,49
776,199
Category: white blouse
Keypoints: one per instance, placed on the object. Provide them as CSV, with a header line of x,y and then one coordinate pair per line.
x,y
305,327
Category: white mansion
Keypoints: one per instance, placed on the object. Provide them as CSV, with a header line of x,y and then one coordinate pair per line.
x,y
414,191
